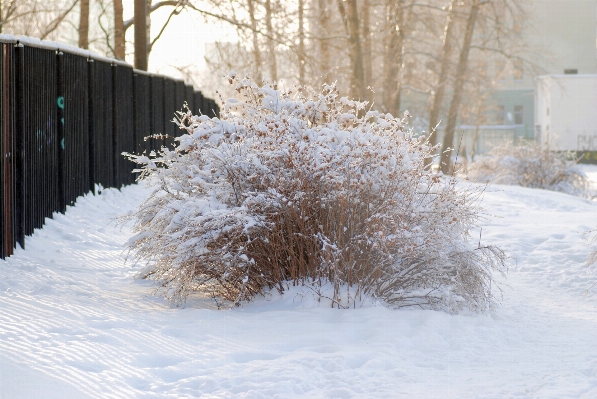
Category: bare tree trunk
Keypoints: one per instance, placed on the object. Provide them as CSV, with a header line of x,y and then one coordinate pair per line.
x,y
119,50
390,67
301,35
148,27
351,23
403,27
445,163
367,69
393,56
442,81
324,48
256,52
140,19
476,135
84,25
271,46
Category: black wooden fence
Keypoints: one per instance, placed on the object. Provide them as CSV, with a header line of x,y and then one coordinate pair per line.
x,y
65,119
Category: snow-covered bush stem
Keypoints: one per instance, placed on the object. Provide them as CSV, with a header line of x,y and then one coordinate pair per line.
x,y
305,187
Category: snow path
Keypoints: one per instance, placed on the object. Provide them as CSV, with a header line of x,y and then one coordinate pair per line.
x,y
74,323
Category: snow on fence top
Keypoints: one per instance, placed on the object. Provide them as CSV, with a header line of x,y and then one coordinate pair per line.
x,y
66,48
51,45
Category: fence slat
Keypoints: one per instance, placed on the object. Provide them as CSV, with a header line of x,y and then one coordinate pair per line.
x,y
198,103
179,104
101,114
76,124
158,119
60,140
36,96
142,112
190,97
5,247
169,109
7,143
91,125
21,218
123,123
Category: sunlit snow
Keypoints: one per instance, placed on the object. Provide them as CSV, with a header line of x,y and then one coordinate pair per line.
x,y
74,322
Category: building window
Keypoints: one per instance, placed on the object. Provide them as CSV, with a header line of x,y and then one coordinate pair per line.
x,y
517,72
518,115
570,71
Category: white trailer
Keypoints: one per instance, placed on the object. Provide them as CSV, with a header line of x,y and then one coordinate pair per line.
x,y
566,113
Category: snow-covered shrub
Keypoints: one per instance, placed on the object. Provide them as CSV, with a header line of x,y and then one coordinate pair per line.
x,y
308,188
533,165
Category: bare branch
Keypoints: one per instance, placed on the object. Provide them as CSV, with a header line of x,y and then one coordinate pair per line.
x,y
173,3
52,27
174,12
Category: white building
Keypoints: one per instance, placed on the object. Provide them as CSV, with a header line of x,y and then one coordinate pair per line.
x,y
566,113
561,36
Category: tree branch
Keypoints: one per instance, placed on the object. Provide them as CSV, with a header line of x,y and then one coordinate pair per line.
x,y
174,12
54,24
173,3
240,25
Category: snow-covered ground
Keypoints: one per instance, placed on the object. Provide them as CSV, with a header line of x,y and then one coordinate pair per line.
x,y
75,324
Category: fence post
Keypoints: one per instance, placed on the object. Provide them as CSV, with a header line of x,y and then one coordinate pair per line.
x,y
19,144
60,123
90,129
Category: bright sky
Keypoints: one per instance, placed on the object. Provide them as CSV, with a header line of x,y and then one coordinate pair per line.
x,y
183,41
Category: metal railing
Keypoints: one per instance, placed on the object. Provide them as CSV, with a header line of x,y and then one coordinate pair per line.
x,y
65,119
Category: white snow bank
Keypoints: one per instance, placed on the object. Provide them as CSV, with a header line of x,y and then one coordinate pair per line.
x,y
74,322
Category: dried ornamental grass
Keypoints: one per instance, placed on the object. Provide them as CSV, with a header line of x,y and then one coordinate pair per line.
x,y
307,188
